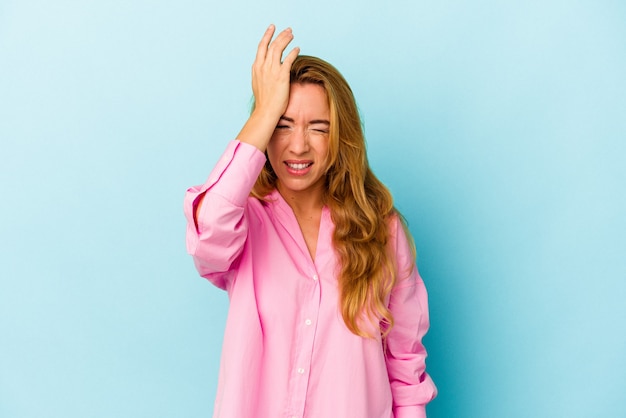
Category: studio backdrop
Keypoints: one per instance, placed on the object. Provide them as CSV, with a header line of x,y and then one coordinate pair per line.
x,y
499,127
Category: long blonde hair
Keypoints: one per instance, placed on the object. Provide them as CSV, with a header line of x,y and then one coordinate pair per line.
x,y
360,205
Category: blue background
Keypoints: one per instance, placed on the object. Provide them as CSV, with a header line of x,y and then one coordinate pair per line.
x,y
499,127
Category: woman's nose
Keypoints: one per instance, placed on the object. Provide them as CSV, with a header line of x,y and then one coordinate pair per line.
x,y
299,141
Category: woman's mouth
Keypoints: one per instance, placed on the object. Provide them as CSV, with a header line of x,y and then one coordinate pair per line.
x,y
299,167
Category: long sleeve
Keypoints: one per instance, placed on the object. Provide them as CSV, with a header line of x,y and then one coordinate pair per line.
x,y
216,237
412,388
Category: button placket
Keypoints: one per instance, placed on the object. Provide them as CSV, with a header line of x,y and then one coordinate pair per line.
x,y
304,354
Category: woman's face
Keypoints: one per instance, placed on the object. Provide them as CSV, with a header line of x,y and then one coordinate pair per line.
x,y
298,149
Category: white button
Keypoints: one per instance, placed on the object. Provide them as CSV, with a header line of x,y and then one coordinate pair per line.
x,y
301,370
315,277
308,322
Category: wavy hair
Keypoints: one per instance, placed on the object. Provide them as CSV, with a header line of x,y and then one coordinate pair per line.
x,y
361,206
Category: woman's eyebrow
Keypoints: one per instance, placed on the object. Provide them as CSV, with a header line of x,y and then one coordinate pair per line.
x,y
312,122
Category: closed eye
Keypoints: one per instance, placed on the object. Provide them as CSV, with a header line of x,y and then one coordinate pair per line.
x,y
320,125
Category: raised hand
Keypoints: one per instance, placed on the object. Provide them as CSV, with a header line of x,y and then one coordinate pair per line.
x,y
270,85
270,75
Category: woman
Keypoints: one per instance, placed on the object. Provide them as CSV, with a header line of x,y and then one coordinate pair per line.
x,y
327,310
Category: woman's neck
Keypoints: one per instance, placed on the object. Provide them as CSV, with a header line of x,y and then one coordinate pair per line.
x,y
305,204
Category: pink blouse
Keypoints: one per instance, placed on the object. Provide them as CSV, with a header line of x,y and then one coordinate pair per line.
x,y
286,350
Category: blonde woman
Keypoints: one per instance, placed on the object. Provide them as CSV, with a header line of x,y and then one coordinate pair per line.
x,y
327,309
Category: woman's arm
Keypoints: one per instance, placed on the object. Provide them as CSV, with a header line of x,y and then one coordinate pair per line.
x,y
215,211
270,86
412,388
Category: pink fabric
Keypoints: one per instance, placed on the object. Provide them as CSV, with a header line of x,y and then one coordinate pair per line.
x,y
286,350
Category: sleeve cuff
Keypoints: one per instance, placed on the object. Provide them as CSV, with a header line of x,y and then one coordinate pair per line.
x,y
414,411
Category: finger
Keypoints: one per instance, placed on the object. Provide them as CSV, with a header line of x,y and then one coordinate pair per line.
x,y
291,57
277,47
264,43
